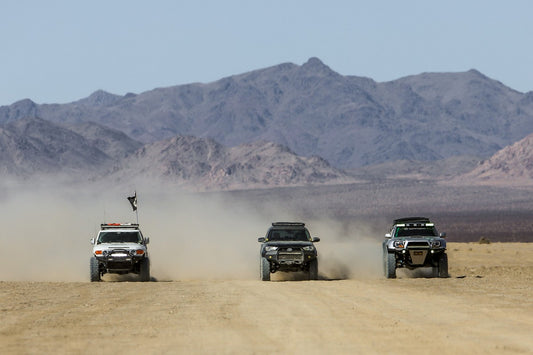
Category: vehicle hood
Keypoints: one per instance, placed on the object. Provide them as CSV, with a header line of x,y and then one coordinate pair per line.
x,y
288,244
111,246
421,238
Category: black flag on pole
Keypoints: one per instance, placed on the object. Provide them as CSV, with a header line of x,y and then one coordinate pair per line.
x,y
133,201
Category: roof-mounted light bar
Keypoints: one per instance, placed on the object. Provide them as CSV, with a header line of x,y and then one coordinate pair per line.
x,y
277,224
119,225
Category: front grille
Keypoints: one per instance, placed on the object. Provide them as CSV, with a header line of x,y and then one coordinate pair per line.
x,y
423,244
119,265
295,255
118,251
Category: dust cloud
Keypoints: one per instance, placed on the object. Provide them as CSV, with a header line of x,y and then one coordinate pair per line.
x,y
347,250
46,229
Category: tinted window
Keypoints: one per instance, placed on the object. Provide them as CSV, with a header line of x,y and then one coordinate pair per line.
x,y
289,234
415,231
119,237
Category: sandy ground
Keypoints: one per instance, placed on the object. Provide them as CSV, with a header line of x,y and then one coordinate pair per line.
x,y
486,306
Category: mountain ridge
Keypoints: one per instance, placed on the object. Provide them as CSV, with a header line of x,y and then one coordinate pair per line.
x,y
33,148
350,121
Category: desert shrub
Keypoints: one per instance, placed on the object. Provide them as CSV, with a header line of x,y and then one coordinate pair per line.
x,y
484,240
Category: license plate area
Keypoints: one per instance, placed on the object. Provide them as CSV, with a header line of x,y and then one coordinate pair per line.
x,y
418,257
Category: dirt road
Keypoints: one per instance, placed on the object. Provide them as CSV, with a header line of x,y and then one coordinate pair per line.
x,y
485,307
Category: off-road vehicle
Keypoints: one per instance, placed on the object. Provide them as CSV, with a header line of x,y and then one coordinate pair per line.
x,y
414,242
119,249
288,247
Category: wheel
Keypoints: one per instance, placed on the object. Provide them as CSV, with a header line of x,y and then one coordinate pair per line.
x,y
145,270
265,269
313,270
94,269
390,265
443,265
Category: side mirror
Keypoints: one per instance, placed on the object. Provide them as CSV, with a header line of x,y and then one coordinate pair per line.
x,y
388,236
146,240
92,241
316,239
261,239
442,235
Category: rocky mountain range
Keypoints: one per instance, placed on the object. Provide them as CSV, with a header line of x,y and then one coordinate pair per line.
x,y
277,126
33,147
350,121
202,163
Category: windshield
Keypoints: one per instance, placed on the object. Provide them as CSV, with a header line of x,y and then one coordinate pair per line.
x,y
415,232
289,235
119,237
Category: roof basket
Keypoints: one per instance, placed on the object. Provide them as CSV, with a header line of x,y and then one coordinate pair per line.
x,y
408,220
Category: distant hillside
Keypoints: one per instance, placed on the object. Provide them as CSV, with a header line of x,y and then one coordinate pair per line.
x,y
33,146
203,164
349,121
512,165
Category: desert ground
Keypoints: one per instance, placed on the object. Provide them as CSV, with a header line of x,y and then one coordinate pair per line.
x,y
485,307
207,298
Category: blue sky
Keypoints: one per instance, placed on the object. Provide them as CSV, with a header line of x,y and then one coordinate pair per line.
x,y
61,51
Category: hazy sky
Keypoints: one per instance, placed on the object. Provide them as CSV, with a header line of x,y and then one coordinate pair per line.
x,y
61,51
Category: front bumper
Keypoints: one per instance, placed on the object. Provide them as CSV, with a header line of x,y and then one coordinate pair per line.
x,y
289,260
417,257
119,263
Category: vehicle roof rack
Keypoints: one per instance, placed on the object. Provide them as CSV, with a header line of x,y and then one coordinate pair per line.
x,y
298,224
119,226
411,220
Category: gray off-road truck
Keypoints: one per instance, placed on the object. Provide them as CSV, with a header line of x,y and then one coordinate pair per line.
x,y
414,242
119,249
288,247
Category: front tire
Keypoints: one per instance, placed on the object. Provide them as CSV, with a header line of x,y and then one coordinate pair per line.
x,y
390,265
94,270
313,269
264,267
443,266
145,270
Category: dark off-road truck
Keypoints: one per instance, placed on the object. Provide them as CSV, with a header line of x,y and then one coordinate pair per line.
x,y
288,247
414,242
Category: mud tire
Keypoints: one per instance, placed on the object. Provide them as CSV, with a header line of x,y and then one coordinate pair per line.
x,y
94,270
264,267
313,269
390,265
144,273
443,266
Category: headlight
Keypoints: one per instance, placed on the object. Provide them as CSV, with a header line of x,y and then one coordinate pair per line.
x,y
399,244
271,248
435,244
309,248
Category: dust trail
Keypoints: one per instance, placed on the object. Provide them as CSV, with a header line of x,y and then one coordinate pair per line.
x,y
46,230
347,250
